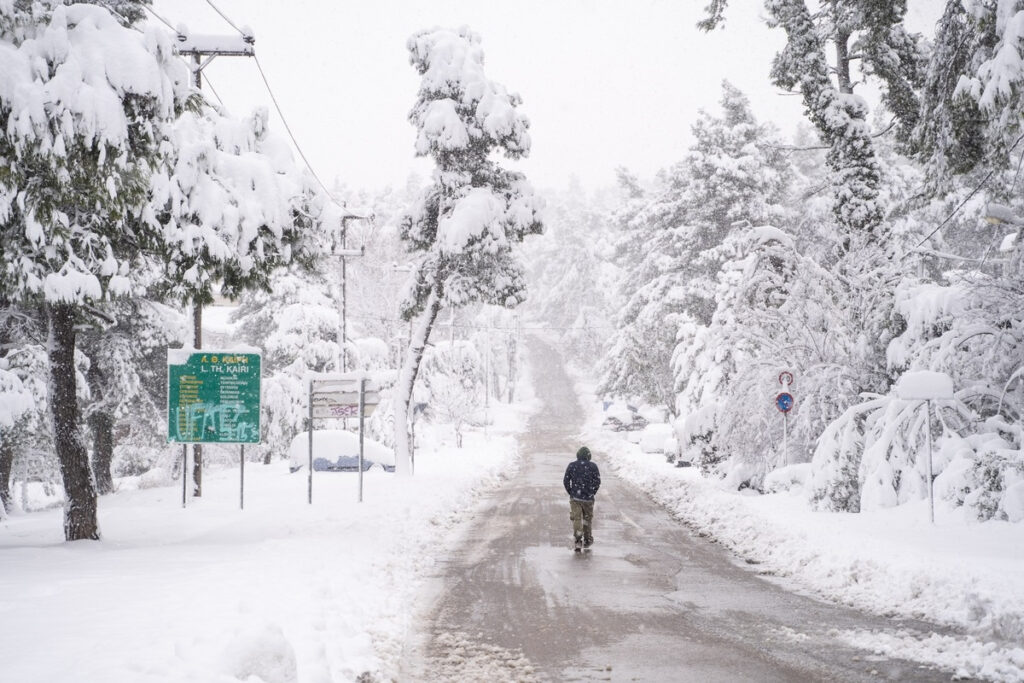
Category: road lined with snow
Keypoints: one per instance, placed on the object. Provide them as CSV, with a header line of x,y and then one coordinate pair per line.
x,y
651,601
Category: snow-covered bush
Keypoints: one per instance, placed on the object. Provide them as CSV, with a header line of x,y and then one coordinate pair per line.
x,y
876,456
452,385
789,478
27,442
998,486
696,437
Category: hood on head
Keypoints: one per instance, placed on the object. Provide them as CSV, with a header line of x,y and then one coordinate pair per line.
x,y
583,453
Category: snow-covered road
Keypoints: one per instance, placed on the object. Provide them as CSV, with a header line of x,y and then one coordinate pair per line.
x,y
652,601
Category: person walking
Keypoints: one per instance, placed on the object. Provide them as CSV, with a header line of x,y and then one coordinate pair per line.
x,y
581,481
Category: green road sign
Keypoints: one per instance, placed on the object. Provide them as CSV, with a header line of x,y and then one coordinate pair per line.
x,y
213,397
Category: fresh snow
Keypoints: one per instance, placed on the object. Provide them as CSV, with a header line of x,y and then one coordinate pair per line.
x,y
960,574
279,591
924,385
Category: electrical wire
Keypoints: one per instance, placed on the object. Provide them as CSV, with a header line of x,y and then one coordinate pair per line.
x,y
975,191
464,326
273,98
291,135
165,22
214,91
225,18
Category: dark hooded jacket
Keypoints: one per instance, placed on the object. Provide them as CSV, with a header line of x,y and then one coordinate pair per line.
x,y
582,478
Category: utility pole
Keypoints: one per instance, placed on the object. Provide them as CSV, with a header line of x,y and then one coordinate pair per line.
x,y
204,49
343,254
513,340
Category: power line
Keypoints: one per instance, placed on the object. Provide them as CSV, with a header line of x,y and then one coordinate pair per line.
x,y
973,192
273,98
464,326
214,91
277,106
153,12
225,18
291,135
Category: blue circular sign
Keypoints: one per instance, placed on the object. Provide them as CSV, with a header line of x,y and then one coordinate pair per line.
x,y
784,402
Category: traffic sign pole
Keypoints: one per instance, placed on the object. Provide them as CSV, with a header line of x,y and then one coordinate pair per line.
x,y
341,398
785,437
309,429
931,478
362,412
785,402
184,473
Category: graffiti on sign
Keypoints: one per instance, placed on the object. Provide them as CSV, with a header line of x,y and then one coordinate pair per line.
x,y
214,398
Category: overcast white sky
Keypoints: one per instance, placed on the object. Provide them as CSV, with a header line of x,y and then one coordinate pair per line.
x,y
604,82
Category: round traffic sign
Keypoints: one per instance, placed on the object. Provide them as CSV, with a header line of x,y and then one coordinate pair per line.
x,y
784,402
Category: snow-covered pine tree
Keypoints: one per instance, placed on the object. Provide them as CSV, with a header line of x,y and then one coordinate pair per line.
x,y
234,206
73,183
733,175
452,385
233,203
128,12
21,393
963,317
972,90
463,229
871,33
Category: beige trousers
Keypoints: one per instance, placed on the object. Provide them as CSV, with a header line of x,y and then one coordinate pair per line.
x,y
581,512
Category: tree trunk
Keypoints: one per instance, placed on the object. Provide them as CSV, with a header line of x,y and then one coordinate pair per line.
x,y
6,465
843,62
102,424
80,508
407,380
511,367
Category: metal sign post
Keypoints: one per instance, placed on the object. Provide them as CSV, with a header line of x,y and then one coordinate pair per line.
x,y
212,397
785,402
926,386
341,398
184,473
309,430
931,477
362,414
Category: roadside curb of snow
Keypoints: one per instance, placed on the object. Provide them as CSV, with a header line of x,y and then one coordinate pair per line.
x,y
959,601
992,621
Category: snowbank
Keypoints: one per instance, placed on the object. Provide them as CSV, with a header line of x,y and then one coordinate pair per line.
x,y
968,576
279,591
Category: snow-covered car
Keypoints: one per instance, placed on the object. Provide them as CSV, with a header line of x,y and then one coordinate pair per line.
x,y
337,450
621,417
657,438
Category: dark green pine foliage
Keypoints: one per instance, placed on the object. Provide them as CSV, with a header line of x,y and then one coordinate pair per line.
x,y
872,33
972,93
896,57
128,12
72,192
833,109
951,137
733,176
